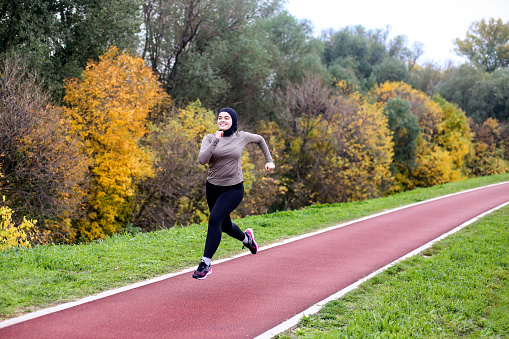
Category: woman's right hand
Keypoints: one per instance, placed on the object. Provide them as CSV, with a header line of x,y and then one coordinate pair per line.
x,y
219,134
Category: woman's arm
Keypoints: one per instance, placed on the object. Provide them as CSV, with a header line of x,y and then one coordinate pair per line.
x,y
258,139
207,148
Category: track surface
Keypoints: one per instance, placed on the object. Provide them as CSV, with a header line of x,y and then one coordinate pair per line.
x,y
249,295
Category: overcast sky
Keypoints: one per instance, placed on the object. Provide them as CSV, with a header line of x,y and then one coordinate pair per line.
x,y
435,23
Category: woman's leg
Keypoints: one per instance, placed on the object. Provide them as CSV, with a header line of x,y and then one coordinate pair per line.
x,y
222,201
232,229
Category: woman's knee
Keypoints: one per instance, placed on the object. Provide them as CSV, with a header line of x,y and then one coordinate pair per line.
x,y
226,226
216,220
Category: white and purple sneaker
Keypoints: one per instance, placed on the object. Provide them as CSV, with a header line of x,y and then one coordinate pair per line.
x,y
251,243
202,271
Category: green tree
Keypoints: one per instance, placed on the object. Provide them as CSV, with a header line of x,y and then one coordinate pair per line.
x,y
492,94
295,51
429,77
486,44
228,52
177,29
391,69
480,94
59,37
277,49
364,57
406,131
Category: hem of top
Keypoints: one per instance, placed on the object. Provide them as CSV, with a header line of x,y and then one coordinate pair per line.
x,y
225,185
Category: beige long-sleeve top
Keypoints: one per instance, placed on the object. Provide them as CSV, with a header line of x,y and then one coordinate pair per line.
x,y
223,156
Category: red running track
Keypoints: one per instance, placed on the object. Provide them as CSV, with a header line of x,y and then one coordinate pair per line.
x,y
251,294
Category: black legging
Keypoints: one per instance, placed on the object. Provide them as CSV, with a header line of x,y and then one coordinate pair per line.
x,y
222,200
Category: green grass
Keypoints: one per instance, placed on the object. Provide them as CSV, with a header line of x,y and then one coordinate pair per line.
x,y
457,288
43,276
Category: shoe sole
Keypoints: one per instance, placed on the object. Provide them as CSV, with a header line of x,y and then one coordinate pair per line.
x,y
201,278
250,231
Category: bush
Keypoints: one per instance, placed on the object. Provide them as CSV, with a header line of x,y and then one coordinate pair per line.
x,y
10,234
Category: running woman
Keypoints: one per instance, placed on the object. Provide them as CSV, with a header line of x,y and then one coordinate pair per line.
x,y
224,186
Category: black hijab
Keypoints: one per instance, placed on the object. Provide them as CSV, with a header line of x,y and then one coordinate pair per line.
x,y
233,114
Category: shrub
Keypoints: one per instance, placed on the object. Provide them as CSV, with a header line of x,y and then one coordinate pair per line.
x,y
10,234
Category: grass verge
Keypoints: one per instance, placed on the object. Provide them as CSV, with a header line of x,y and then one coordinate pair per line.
x,y
457,288
44,276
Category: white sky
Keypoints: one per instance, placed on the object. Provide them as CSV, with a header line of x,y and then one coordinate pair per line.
x,y
435,23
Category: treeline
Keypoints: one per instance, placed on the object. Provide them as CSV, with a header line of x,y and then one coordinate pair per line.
x,y
97,140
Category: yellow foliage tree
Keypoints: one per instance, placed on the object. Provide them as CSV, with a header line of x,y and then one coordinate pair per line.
x,y
360,166
455,136
194,121
108,107
444,141
434,166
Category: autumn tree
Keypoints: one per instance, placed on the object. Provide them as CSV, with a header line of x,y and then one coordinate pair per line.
x,y
359,167
337,147
441,144
109,106
455,135
428,113
490,148
486,44
43,167
305,103
175,194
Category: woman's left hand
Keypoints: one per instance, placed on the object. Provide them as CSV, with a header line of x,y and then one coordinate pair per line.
x,y
269,167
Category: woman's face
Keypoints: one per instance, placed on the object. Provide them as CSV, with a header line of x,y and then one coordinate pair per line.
x,y
224,121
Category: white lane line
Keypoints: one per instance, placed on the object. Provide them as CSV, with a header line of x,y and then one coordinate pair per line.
x,y
288,324
109,293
